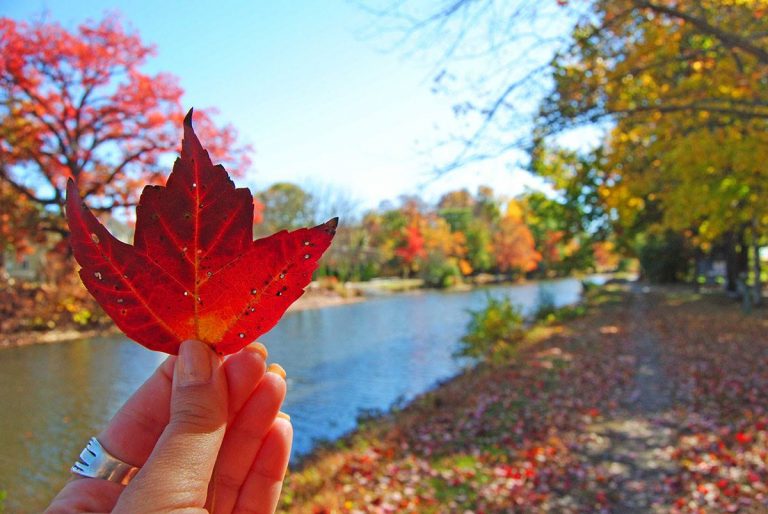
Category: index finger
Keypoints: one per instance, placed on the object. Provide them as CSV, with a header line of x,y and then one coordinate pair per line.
x,y
132,433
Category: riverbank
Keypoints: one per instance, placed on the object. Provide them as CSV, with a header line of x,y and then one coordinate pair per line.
x,y
319,295
312,299
654,401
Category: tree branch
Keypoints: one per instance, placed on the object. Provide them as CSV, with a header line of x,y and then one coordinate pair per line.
x,y
729,39
120,167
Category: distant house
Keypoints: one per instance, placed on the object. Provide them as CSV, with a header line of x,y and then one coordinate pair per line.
x,y
28,267
31,266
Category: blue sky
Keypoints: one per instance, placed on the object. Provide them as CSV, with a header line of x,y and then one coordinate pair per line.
x,y
321,105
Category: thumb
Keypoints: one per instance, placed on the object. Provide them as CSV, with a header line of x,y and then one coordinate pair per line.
x,y
178,471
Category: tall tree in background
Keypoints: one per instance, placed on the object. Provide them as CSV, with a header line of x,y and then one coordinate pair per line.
x,y
513,242
76,104
411,250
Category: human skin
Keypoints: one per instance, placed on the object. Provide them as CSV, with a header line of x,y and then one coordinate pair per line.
x,y
207,433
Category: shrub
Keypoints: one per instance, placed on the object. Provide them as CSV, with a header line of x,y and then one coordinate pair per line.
x,y
548,312
494,331
588,287
545,306
440,272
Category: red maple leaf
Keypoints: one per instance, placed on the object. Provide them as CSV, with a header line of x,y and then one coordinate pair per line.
x,y
194,271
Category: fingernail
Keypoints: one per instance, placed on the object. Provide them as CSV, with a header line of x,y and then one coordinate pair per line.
x,y
194,364
284,416
277,369
258,348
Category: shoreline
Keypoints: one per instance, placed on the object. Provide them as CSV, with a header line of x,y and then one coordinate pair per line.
x,y
310,301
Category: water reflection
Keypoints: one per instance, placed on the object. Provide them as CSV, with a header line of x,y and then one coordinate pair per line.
x,y
52,398
339,360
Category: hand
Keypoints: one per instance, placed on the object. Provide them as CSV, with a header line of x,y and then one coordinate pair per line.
x,y
194,412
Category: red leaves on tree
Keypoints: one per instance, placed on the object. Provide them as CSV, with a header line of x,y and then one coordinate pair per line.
x,y
194,271
80,104
414,244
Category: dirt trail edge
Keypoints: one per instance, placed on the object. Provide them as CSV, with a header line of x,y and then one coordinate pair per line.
x,y
634,446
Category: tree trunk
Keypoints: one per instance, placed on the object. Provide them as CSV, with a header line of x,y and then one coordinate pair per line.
x,y
757,287
758,284
736,261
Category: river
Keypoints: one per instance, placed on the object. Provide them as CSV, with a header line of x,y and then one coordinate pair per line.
x,y
340,361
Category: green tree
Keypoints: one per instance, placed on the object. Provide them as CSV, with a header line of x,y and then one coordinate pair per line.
x,y
286,206
480,246
567,224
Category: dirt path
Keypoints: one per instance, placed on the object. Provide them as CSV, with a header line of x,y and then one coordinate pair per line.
x,y
634,447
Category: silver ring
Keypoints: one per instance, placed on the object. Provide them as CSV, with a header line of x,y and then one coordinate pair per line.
x,y
96,462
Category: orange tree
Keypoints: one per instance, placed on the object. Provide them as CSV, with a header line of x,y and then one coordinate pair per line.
x,y
77,104
513,243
